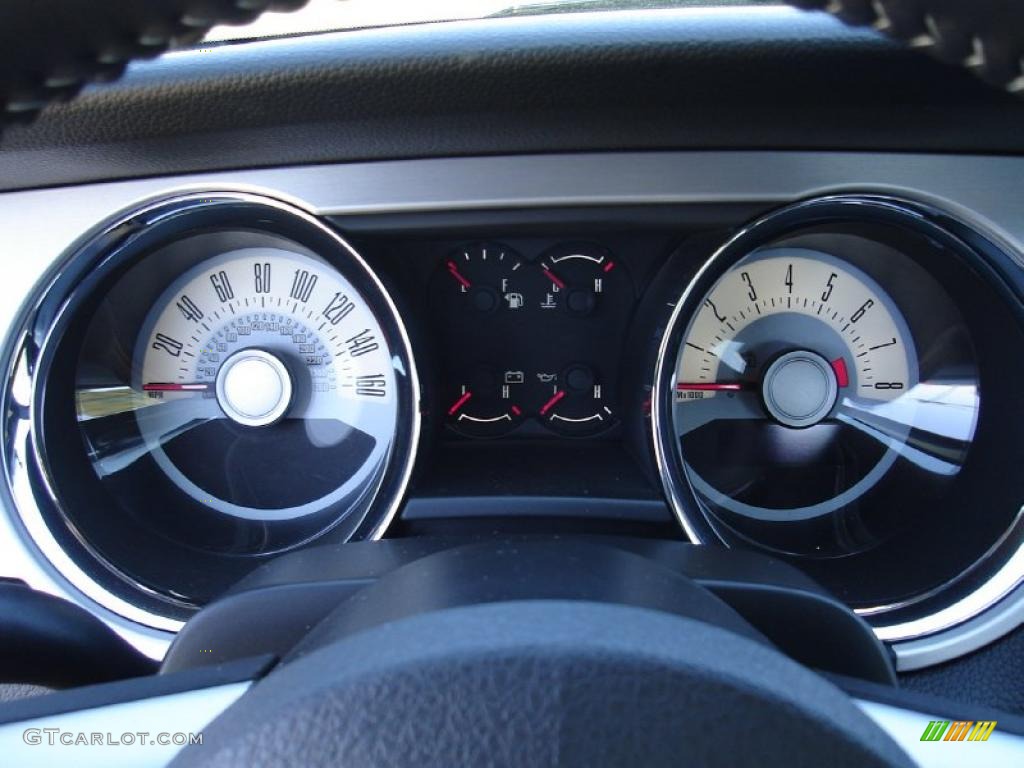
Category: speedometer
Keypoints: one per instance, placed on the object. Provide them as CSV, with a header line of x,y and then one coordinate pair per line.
x,y
224,379
273,381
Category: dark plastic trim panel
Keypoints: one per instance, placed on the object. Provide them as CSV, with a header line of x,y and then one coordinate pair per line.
x,y
699,78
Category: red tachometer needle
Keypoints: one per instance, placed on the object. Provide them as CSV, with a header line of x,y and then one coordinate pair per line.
x,y
453,270
551,403
686,385
172,387
459,403
842,376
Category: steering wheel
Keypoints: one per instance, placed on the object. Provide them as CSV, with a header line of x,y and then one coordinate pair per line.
x,y
527,652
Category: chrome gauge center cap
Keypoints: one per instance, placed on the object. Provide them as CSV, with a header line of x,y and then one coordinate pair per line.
x,y
799,389
254,388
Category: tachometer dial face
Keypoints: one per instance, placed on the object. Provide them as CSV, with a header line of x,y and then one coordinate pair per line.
x,y
271,384
791,384
837,385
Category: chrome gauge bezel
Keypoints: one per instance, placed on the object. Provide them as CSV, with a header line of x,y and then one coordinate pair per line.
x,y
1001,569
90,266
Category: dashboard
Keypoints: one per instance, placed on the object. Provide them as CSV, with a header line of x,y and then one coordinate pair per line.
x,y
679,346
812,364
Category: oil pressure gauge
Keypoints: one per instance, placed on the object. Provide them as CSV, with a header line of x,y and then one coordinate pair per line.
x,y
578,404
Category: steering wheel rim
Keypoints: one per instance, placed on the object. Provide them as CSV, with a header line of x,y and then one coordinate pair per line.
x,y
544,683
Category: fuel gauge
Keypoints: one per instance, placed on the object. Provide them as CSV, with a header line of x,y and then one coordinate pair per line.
x,y
483,278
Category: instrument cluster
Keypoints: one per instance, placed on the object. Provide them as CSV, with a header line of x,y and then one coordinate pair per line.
x,y
217,379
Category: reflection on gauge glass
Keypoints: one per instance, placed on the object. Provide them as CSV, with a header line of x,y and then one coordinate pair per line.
x,y
262,388
798,388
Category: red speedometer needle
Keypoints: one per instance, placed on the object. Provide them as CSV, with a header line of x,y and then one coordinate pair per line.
x,y
173,387
453,270
459,403
714,387
551,403
554,279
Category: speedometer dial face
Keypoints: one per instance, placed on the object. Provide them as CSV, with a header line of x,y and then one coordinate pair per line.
x,y
272,385
241,385
791,386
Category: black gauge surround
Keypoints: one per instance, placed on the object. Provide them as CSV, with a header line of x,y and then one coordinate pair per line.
x,y
167,516
897,511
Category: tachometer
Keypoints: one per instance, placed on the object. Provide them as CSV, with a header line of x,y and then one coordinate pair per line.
x,y
818,394
791,355
855,341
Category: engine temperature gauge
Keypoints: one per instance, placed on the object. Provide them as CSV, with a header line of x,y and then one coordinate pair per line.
x,y
577,277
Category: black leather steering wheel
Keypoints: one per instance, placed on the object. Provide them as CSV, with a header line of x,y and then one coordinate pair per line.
x,y
523,653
